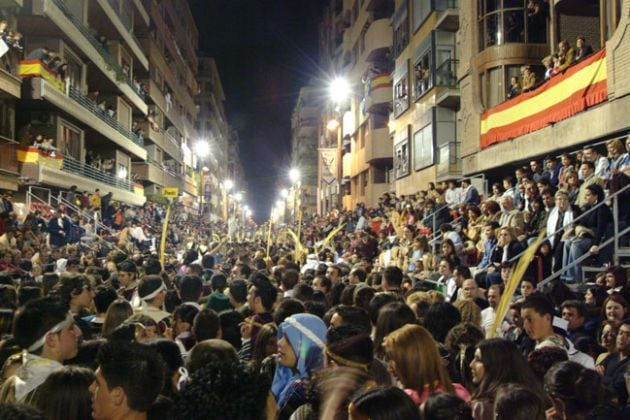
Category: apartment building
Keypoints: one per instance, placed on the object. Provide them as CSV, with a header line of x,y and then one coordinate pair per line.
x,y
355,44
425,94
212,127
170,43
89,114
585,104
305,122
10,93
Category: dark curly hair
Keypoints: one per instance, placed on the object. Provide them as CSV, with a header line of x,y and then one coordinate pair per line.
x,y
223,391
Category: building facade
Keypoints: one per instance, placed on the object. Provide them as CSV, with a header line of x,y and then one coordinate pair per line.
x,y
170,43
305,122
425,94
212,127
356,44
83,110
584,104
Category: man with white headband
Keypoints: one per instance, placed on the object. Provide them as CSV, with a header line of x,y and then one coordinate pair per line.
x,y
45,330
152,293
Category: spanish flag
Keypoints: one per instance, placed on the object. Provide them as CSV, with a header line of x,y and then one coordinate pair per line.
x,y
382,80
27,154
35,68
579,87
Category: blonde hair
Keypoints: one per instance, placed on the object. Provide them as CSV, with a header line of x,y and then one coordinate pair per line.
x,y
618,146
418,364
469,311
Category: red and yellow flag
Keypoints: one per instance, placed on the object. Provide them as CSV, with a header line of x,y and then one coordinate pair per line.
x,y
579,87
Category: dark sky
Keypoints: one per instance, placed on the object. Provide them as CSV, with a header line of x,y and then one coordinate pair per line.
x,y
265,51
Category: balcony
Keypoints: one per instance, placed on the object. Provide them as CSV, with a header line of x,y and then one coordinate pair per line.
x,y
82,36
378,94
123,22
446,80
86,111
10,83
190,186
581,86
378,146
378,40
9,169
450,164
155,173
65,171
448,19
172,147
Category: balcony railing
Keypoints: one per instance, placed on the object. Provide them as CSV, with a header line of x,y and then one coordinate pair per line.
x,y
446,4
449,159
109,60
446,73
91,106
70,164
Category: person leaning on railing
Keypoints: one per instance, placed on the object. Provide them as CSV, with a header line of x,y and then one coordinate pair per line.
x,y
588,232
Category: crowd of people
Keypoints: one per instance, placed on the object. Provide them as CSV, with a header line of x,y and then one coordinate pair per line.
x,y
381,313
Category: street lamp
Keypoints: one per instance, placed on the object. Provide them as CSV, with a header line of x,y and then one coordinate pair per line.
x,y
202,149
228,184
284,193
294,175
339,90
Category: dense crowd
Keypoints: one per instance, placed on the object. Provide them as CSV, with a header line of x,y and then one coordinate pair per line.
x,y
380,313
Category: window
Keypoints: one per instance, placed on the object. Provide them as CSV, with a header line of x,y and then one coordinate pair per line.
x,y
70,141
423,155
423,75
421,10
511,21
401,29
401,156
7,118
401,93
379,175
74,74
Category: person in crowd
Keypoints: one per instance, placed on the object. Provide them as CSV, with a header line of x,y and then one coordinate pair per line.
x,y
511,216
566,56
414,360
515,87
381,403
301,344
128,380
498,362
538,320
582,49
65,394
589,232
46,331
600,162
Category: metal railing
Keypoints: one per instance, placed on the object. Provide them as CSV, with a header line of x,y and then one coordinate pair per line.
x,y
90,105
125,18
84,213
617,234
70,164
446,4
449,160
446,73
109,60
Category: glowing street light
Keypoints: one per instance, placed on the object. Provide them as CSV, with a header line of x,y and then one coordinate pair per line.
x,y
228,184
284,193
333,124
238,197
294,175
202,149
339,90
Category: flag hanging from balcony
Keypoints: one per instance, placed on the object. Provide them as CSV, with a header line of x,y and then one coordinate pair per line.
x,y
579,87
35,68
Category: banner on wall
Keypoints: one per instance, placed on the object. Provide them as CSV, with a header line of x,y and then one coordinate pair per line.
x,y
328,165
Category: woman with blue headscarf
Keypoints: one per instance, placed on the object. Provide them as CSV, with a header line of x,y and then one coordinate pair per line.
x,y
301,343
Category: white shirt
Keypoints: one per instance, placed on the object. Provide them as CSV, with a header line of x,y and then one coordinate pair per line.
x,y
488,316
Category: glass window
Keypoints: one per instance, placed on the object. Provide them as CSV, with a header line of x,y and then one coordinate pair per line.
x,y
421,9
423,75
401,158
493,30
400,22
513,4
401,94
70,142
423,154
514,24
492,5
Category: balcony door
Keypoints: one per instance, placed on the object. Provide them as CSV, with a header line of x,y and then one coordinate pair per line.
x,y
70,141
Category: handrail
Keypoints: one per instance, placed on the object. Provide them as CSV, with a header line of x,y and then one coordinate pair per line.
x,y
446,73
579,260
70,164
109,60
91,106
562,228
84,213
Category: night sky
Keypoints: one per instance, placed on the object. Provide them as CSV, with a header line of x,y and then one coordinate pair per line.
x,y
265,51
